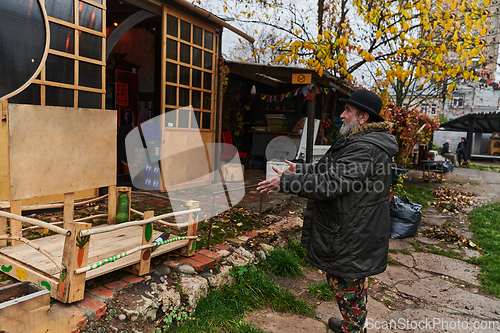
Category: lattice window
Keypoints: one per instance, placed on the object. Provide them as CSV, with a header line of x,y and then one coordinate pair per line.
x,y
190,53
74,73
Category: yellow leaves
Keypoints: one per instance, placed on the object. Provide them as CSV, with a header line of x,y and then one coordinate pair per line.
x,y
486,3
405,26
483,31
378,34
225,9
255,53
443,48
236,16
267,16
344,25
271,47
239,40
453,5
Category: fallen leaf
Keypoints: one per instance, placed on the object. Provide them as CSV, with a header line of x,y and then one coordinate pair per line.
x,y
96,207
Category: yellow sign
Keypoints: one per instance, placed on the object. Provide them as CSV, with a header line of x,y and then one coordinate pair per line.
x,y
301,78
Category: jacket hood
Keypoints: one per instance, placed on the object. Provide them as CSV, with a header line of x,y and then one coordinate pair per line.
x,y
377,134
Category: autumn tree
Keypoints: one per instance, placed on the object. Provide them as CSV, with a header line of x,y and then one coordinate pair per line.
x,y
398,41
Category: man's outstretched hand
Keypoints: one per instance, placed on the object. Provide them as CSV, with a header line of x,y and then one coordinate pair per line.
x,y
273,184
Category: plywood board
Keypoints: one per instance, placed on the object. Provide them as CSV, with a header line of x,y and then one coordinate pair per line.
x,y
185,159
57,150
102,246
79,195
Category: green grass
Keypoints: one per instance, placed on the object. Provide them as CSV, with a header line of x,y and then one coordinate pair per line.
x,y
321,290
405,252
296,249
282,262
223,310
416,246
420,195
485,167
393,251
393,261
486,228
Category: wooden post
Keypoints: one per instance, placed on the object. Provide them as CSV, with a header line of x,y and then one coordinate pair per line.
x,y
128,191
112,204
147,237
75,255
3,230
69,208
192,226
16,226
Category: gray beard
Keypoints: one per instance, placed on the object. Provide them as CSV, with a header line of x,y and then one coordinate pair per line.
x,y
346,129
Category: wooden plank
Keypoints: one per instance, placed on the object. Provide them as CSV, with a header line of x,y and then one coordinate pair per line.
x,y
75,26
4,152
147,237
112,196
24,272
72,56
3,230
46,199
49,147
163,60
192,228
16,226
70,86
69,209
75,255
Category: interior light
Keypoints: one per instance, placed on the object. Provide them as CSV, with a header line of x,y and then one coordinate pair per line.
x,y
115,24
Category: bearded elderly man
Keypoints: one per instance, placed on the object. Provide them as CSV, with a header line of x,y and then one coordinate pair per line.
x,y
346,223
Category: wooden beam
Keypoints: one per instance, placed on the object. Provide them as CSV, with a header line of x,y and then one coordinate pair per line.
x,y
147,237
192,228
75,255
470,130
16,225
69,208
3,230
112,193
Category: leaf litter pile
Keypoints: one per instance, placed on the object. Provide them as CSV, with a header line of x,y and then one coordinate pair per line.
x,y
453,201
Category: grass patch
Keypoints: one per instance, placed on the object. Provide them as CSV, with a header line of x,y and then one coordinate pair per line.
x,y
393,261
223,310
486,229
485,167
283,262
442,252
416,246
321,290
420,195
393,251
405,252
296,249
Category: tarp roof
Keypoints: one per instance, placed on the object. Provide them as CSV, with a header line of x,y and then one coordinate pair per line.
x,y
481,123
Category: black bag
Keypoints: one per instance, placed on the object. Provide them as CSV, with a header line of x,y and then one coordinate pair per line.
x,y
405,217
448,166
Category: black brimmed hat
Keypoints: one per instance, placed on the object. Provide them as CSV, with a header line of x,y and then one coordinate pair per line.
x,y
366,101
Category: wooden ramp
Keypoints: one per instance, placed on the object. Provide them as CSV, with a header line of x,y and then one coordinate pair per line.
x,y
102,246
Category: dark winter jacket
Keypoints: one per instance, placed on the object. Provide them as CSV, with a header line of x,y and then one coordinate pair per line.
x,y
461,146
445,149
347,223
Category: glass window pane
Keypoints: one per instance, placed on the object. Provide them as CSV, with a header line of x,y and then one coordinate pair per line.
x,y
196,102
207,117
60,10
207,81
90,46
60,69
55,96
171,49
195,121
90,16
185,31
183,118
207,102
90,100
209,40
90,75
170,117
207,61
184,75
30,95
172,26
184,97
185,54
196,78
197,35
62,38
171,72
196,57
171,98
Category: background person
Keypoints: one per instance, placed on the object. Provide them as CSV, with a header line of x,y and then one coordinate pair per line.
x,y
347,223
445,152
461,150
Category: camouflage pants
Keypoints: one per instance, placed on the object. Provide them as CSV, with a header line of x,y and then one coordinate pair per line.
x,y
351,298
